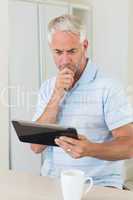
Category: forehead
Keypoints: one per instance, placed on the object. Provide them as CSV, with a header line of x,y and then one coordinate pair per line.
x,y
65,40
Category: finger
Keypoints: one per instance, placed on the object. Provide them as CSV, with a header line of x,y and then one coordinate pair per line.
x,y
69,140
63,79
67,71
67,80
69,149
66,77
63,144
66,86
74,155
81,137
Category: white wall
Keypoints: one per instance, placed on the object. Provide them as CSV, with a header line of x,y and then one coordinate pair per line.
x,y
130,42
131,38
3,84
110,36
112,39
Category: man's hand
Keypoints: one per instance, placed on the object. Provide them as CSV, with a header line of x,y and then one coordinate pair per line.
x,y
64,82
38,148
119,148
76,148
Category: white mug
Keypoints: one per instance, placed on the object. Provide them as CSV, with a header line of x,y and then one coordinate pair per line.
x,y
72,184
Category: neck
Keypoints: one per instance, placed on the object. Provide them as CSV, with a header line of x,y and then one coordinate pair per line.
x,y
80,71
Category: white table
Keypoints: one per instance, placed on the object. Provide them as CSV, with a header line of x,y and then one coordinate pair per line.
x,y
24,186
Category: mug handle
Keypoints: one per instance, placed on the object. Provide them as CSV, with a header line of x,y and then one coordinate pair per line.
x,y
89,187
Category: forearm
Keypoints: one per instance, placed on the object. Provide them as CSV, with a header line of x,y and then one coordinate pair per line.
x,y
64,81
49,116
118,149
51,111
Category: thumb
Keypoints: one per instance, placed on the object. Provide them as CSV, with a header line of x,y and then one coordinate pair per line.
x,y
81,137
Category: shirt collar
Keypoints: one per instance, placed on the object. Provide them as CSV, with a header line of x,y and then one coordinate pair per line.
x,y
88,74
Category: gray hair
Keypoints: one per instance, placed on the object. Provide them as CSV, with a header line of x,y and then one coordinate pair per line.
x,y
67,23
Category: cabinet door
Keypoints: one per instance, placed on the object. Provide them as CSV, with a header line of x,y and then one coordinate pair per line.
x,y
46,13
23,79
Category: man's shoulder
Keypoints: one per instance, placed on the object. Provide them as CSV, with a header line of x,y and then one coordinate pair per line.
x,y
107,82
108,86
47,87
48,84
102,77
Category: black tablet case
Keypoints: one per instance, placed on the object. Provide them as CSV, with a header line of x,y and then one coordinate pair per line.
x,y
41,134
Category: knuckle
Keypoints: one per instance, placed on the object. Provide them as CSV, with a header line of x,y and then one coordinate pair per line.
x,y
80,151
77,156
74,156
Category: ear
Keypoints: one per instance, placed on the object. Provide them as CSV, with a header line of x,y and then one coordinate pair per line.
x,y
49,44
85,43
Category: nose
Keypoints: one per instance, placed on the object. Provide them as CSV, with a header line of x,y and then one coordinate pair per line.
x,y
65,59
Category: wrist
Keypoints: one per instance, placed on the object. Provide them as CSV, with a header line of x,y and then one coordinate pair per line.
x,y
57,95
54,101
93,149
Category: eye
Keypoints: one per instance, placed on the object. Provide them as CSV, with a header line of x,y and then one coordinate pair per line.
x,y
72,51
58,52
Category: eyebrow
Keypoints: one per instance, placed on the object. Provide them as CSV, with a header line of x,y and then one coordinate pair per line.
x,y
73,49
57,50
69,50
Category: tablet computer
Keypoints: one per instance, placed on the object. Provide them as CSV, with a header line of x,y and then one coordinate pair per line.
x,y
32,132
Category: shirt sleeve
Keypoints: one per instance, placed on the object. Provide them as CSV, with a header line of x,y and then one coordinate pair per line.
x,y
41,102
117,110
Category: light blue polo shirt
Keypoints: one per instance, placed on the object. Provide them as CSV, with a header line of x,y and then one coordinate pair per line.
x,y
94,106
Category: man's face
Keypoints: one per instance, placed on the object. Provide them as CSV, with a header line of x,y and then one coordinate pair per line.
x,y
67,51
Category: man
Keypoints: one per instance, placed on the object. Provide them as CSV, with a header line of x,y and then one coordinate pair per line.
x,y
82,97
